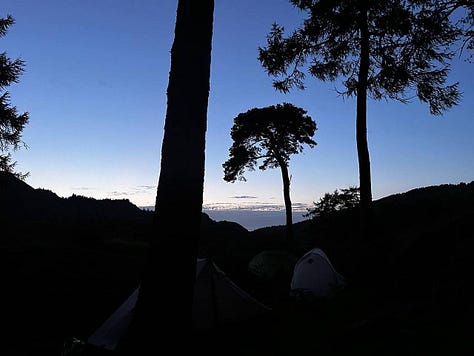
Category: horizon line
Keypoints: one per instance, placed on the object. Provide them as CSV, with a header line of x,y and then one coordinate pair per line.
x,y
264,207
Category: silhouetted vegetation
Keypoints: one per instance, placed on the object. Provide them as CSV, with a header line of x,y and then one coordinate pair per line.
x,y
384,49
11,122
463,11
20,202
64,278
348,198
270,134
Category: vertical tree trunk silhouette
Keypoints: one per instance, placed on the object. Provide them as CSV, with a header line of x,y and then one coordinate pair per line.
x,y
164,308
286,196
361,127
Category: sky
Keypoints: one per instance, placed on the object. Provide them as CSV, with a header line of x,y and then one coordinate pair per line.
x,y
95,87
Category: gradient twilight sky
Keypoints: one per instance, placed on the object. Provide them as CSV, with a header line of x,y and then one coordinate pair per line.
x,y
95,87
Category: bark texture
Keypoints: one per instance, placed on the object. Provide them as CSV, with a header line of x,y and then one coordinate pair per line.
x,y
164,308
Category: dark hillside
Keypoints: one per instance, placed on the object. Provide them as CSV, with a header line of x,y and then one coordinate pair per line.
x,y
412,278
69,262
20,202
399,222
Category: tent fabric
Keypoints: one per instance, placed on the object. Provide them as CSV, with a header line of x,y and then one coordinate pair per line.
x,y
217,301
314,274
112,330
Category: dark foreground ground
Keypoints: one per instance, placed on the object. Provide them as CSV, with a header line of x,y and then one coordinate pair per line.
x,y
64,281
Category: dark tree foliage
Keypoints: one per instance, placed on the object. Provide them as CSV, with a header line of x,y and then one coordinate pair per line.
x,y
385,49
269,135
461,13
468,22
331,202
11,122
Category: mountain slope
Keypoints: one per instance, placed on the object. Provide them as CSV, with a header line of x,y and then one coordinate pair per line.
x,y
20,202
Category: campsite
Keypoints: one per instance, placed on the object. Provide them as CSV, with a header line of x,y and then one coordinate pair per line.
x,y
109,106
407,292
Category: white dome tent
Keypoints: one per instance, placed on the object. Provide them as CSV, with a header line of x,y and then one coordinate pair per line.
x,y
315,275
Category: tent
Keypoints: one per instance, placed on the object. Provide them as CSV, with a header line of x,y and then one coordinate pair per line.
x,y
315,275
269,264
217,301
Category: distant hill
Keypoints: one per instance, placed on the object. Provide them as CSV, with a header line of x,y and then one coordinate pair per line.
x,y
21,202
433,217
443,202
428,203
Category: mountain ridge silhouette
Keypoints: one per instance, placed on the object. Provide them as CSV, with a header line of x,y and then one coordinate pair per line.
x,y
21,202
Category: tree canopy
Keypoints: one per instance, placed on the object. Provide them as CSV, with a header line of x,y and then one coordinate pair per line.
x,y
384,49
461,13
272,134
408,49
348,198
11,122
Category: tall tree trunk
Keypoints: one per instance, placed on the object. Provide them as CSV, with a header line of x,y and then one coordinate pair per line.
x,y
286,196
361,127
166,292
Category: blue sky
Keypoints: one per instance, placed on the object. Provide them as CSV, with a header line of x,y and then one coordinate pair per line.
x,y
95,87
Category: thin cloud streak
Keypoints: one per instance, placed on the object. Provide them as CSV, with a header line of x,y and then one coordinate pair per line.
x,y
146,187
118,194
137,190
255,206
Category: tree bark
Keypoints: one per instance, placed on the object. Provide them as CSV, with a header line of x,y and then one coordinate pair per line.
x,y
286,196
361,127
164,309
